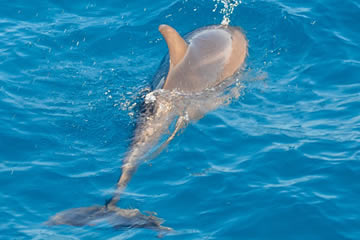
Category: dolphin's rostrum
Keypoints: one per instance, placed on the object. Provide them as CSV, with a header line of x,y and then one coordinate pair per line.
x,y
202,61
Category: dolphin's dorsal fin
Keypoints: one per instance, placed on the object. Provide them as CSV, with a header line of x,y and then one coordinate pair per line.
x,y
176,44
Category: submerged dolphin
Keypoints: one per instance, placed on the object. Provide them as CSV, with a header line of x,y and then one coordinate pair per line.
x,y
203,60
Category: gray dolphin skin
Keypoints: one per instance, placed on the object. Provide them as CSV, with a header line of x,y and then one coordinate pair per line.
x,y
205,59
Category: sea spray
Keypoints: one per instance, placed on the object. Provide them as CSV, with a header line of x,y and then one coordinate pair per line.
x,y
227,9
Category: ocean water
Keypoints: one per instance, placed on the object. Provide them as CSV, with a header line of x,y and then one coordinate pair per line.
x,y
282,161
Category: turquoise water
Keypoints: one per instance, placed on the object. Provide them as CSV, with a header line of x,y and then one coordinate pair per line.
x,y
280,162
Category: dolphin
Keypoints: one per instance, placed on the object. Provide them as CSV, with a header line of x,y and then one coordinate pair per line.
x,y
205,59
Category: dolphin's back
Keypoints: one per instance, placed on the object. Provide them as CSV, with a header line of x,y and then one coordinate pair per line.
x,y
213,54
203,63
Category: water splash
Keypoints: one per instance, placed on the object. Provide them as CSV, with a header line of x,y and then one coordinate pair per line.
x,y
193,106
166,113
227,9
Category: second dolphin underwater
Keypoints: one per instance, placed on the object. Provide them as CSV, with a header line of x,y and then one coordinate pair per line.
x,y
196,67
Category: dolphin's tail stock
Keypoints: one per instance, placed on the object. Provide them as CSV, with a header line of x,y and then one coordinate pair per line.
x,y
110,213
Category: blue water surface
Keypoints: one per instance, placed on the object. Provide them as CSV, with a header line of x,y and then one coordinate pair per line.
x,y
280,162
